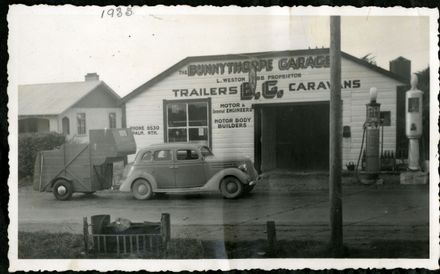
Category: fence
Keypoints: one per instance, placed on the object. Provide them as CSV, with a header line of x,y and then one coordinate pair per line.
x,y
390,160
123,238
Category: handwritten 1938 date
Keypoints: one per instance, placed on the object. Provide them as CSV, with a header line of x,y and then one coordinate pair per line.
x,y
116,12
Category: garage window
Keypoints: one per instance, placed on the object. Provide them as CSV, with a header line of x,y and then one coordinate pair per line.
x,y
187,121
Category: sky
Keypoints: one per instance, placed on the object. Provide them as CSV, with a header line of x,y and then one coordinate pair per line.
x,y
62,44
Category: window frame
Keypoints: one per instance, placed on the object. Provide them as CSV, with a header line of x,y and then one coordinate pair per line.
x,y
78,124
187,127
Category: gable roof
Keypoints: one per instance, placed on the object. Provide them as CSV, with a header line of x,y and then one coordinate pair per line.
x,y
267,54
55,98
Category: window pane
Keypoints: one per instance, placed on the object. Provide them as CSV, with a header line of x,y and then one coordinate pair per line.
x,y
81,121
198,134
177,115
187,154
147,156
197,114
162,155
177,135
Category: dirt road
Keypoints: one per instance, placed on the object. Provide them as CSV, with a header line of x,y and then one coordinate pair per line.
x,y
398,211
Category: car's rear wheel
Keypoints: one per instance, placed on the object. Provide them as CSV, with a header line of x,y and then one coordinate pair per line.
x,y
231,187
142,190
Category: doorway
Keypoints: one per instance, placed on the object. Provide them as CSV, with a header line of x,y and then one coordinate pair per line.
x,y
292,136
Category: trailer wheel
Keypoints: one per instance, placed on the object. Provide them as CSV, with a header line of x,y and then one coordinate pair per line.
x,y
62,190
231,187
142,190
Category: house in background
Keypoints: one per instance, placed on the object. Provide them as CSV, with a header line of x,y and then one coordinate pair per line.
x,y
69,108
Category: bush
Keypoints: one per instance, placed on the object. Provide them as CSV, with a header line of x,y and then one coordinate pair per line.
x,y
29,144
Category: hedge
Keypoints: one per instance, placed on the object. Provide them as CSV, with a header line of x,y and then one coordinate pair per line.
x,y
29,144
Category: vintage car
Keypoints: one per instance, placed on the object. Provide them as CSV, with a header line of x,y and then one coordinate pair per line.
x,y
186,168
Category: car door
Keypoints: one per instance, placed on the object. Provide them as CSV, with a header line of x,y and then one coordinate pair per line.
x,y
189,168
163,168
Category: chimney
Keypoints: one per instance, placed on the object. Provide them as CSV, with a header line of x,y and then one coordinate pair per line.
x,y
91,77
401,67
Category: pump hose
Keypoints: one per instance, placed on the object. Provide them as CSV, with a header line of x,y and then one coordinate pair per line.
x,y
360,154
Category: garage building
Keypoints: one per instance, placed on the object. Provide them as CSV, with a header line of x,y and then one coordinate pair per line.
x,y
270,106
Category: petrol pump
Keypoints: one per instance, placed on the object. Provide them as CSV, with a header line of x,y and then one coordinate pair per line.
x,y
413,124
372,130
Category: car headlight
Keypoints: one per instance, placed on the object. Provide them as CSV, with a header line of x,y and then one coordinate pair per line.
x,y
243,167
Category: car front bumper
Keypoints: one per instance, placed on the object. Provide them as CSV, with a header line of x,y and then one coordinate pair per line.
x,y
255,181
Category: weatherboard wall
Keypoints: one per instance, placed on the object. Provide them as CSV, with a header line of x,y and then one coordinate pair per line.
x,y
96,118
145,110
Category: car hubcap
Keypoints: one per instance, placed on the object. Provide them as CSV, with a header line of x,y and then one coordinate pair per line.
x,y
231,187
142,189
61,190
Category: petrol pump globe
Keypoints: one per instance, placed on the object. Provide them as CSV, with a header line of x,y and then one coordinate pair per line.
x,y
413,123
373,94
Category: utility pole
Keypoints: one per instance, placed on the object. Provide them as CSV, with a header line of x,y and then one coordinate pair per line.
x,y
335,189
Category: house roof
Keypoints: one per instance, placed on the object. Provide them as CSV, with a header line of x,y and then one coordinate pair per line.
x,y
55,98
268,54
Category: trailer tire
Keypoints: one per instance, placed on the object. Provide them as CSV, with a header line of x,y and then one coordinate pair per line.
x,y
62,190
142,189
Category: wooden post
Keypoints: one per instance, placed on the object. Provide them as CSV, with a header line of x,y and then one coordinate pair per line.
x,y
271,237
165,233
166,228
335,189
86,235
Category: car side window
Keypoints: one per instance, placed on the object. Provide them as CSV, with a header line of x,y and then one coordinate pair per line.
x,y
148,156
162,155
187,154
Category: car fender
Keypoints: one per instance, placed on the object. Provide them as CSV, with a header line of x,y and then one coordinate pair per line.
x,y
215,180
126,185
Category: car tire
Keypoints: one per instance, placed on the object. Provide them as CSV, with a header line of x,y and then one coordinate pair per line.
x,y
142,190
62,190
231,187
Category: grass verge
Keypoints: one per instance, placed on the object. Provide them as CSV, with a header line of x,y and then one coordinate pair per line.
x,y
43,245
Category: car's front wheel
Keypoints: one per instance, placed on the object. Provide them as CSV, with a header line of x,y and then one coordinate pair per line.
x,y
231,187
142,190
